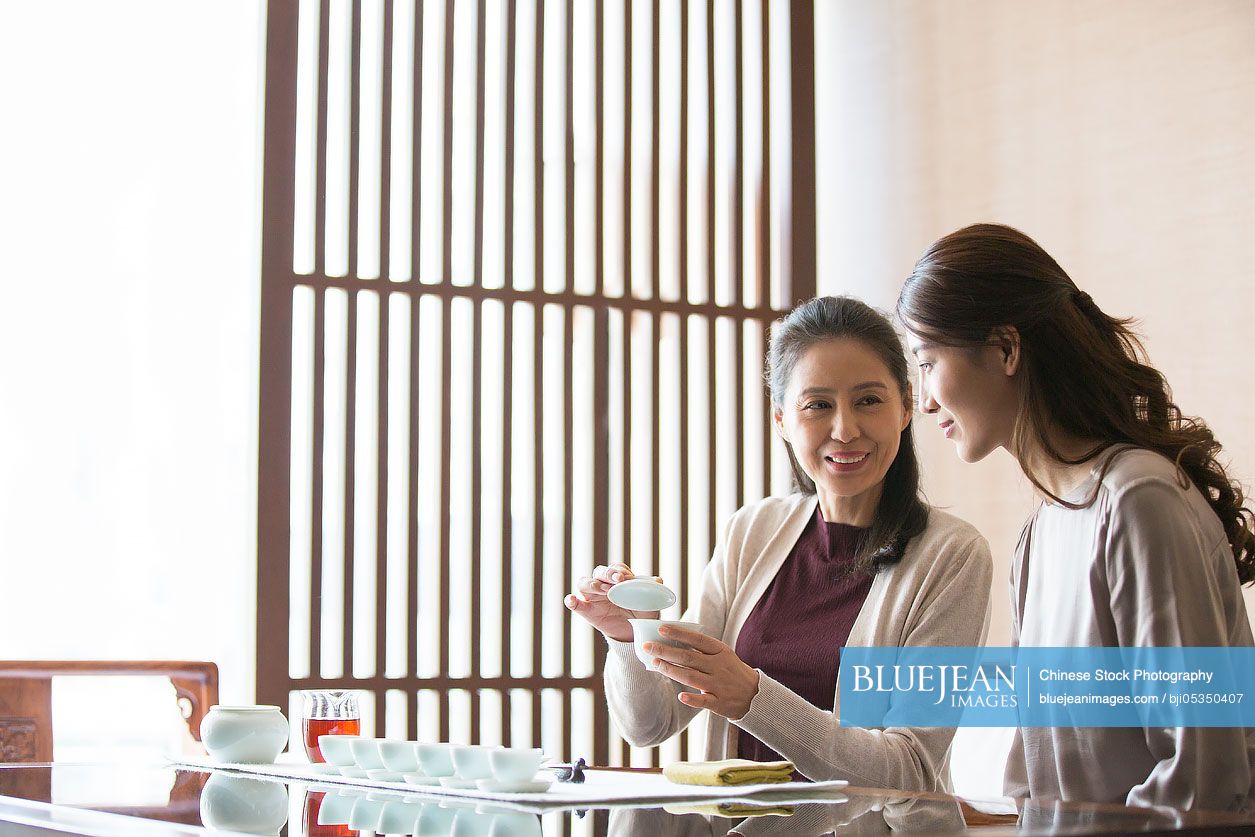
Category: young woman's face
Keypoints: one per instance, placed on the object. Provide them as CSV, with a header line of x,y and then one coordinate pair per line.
x,y
971,392
843,415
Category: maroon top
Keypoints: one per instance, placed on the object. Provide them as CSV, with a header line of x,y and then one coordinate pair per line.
x,y
795,632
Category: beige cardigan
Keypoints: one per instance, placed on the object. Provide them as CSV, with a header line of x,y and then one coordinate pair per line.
x,y
938,594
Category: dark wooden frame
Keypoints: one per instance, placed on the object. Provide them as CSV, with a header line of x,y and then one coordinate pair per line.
x,y
279,279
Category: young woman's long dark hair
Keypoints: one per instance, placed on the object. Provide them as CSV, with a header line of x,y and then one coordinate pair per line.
x,y
1084,373
900,514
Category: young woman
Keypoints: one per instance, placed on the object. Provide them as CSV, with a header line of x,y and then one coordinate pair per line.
x,y
1142,538
854,557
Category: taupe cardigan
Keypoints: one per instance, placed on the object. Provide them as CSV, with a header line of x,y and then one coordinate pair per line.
x,y
938,594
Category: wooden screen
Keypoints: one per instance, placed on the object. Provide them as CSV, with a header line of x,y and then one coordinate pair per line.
x,y
519,259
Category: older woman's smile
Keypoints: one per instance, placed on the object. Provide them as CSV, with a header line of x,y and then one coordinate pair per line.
x,y
847,461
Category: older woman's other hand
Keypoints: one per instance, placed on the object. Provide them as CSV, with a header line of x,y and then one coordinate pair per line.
x,y
589,601
727,684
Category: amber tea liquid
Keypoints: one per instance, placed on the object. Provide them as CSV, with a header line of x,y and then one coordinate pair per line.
x,y
313,802
315,727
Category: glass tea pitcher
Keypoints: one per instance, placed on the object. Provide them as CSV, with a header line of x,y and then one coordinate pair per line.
x,y
328,712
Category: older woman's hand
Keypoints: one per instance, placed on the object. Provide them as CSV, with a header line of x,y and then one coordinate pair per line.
x,y
727,684
589,601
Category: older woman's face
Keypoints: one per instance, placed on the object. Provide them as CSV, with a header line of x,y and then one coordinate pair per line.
x,y
843,414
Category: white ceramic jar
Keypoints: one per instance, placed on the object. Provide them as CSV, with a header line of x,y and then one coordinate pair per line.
x,y
250,806
244,734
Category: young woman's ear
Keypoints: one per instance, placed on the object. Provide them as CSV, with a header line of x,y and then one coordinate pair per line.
x,y
909,407
1007,340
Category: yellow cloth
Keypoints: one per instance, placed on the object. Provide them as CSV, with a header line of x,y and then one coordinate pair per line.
x,y
731,810
729,772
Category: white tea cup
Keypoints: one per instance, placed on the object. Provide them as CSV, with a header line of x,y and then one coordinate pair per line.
x,y
435,759
366,753
398,756
646,630
335,749
471,761
516,764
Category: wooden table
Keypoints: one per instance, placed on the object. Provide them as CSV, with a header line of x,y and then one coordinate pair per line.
x,y
111,799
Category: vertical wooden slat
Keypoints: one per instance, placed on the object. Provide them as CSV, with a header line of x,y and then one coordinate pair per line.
x,y
350,377
655,155
476,517
764,196
507,367
320,267
738,263
711,476
655,270
655,458
738,408
601,375
626,338
568,413
445,515
538,517
655,285
350,482
568,385
801,284
477,360
274,465
382,377
445,366
355,115
710,155
764,236
320,153
315,576
683,196
538,441
352,348
411,537
627,181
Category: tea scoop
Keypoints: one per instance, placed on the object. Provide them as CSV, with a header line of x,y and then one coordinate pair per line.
x,y
646,592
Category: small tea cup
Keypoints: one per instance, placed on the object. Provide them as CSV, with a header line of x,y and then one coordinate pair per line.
x,y
336,807
646,630
397,818
335,749
366,753
398,756
471,761
515,824
515,764
365,814
434,820
435,759
471,823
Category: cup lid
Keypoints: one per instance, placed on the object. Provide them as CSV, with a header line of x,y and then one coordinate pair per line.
x,y
642,593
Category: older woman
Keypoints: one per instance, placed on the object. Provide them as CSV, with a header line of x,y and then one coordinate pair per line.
x,y
853,557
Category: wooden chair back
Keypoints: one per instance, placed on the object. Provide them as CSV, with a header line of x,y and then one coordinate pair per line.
x,y
26,697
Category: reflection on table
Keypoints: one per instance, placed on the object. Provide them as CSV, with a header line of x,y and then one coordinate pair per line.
x,y
189,802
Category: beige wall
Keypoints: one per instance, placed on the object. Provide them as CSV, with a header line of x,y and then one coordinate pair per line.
x,y
1120,135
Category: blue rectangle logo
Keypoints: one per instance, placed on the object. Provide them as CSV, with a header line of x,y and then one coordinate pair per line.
x,y
1047,687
